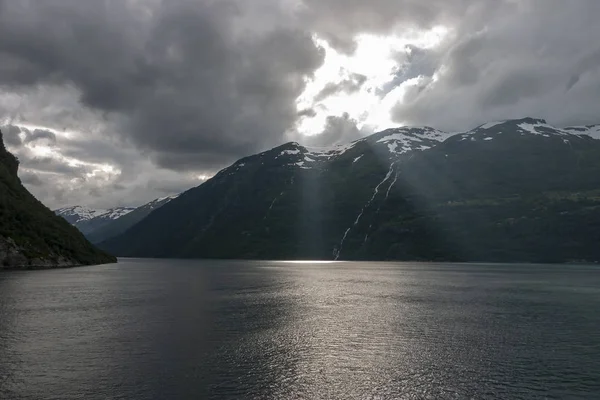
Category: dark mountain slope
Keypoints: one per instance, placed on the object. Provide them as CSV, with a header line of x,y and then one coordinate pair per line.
x,y
30,234
498,194
511,191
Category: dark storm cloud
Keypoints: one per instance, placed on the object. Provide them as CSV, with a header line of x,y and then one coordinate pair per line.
x,y
39,134
13,133
338,21
194,84
184,80
588,64
51,165
347,86
535,58
71,174
520,84
11,136
31,178
95,150
307,112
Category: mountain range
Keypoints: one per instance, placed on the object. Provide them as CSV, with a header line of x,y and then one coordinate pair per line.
x,y
88,219
100,224
31,236
508,191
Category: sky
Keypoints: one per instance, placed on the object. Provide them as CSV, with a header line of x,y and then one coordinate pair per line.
x,y
116,102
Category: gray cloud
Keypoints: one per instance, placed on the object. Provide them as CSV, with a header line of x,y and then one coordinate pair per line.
x,y
49,164
347,86
11,136
307,112
537,60
413,62
338,21
58,181
184,82
338,130
31,179
39,134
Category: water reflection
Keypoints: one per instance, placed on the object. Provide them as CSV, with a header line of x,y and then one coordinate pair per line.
x,y
152,329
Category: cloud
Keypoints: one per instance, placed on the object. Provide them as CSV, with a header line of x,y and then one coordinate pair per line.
x,y
339,21
307,112
91,170
412,62
347,86
39,134
11,135
338,130
31,178
16,136
184,85
519,64
49,164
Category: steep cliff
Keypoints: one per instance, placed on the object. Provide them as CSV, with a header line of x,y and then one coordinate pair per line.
x,y
31,235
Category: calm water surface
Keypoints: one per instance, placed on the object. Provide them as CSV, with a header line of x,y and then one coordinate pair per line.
x,y
165,329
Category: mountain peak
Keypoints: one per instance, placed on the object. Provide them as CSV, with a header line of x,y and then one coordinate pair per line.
x,y
530,120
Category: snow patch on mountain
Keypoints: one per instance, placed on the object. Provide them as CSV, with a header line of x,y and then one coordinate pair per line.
x,y
289,152
589,130
541,128
490,125
405,139
115,213
160,201
330,152
79,213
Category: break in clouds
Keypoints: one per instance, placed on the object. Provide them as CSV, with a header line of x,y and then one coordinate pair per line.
x,y
118,102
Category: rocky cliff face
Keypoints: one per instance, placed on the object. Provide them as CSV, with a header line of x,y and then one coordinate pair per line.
x,y
32,236
13,256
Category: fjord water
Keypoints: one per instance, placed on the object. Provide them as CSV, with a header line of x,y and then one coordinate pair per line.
x,y
157,329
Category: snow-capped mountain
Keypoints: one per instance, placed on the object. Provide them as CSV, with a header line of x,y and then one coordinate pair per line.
x,y
389,144
126,221
88,219
99,224
77,214
515,190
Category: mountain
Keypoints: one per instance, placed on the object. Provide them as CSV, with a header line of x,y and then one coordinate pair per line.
x,y
590,130
121,224
88,220
516,190
31,236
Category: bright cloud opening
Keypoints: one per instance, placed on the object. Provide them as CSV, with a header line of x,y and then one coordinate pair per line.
x,y
375,60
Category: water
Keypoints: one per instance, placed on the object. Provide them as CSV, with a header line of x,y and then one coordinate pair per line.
x,y
161,329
